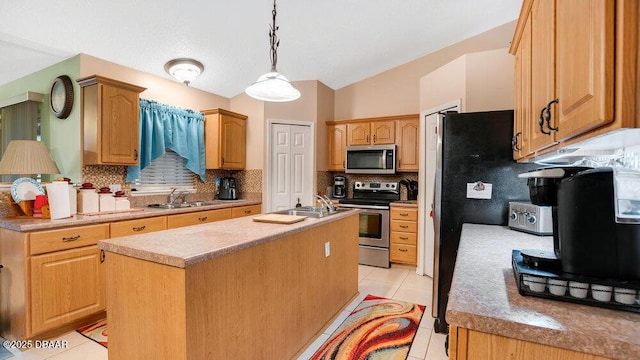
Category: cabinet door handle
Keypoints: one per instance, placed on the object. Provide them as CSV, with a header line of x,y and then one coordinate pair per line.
x,y
139,228
247,211
404,226
135,154
515,141
404,214
343,163
102,256
403,250
71,238
374,138
203,218
547,115
222,159
404,238
541,122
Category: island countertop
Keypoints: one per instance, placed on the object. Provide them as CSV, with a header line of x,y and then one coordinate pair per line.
x,y
484,297
189,245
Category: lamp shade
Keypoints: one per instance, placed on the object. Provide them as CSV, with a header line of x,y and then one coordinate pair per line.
x,y
273,87
24,157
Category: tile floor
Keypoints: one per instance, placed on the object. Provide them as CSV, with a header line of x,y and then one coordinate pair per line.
x,y
398,282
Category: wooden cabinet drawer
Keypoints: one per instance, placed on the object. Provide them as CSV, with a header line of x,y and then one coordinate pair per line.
x,y
246,210
195,218
62,239
403,253
65,286
403,238
404,226
138,226
403,213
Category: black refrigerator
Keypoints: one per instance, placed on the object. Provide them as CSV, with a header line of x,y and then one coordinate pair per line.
x,y
473,153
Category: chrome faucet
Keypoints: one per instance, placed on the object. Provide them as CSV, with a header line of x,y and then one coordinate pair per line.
x,y
173,197
327,202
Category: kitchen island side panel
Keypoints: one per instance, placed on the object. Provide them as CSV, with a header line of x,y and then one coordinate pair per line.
x,y
264,302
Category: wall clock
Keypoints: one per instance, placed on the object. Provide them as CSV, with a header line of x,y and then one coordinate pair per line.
x,y
61,97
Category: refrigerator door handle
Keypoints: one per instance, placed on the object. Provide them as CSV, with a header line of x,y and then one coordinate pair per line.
x,y
437,197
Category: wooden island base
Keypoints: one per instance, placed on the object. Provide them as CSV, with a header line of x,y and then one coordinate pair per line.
x,y
263,302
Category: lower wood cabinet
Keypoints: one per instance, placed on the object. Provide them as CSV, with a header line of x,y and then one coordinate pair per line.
x,y
66,286
466,344
138,226
404,230
196,218
248,210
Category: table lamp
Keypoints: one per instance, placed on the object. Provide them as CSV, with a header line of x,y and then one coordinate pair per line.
x,y
26,157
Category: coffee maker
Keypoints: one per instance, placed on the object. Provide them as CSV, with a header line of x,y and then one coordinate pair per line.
x,y
227,189
596,220
339,187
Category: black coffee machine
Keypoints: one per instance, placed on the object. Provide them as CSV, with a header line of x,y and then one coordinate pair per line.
x,y
596,220
227,189
339,187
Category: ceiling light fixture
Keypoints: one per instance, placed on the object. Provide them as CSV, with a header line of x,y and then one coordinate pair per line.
x,y
273,86
184,70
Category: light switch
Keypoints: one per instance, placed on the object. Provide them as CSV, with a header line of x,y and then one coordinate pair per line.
x,y
327,249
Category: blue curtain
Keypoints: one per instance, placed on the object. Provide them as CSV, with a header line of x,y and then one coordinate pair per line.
x,y
169,127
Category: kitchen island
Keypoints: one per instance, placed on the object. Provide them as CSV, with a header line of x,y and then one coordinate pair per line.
x,y
489,319
235,289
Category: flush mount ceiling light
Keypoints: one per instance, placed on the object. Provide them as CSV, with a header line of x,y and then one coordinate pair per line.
x,y
183,69
273,86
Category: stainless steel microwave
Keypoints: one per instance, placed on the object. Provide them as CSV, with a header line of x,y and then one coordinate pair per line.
x,y
371,159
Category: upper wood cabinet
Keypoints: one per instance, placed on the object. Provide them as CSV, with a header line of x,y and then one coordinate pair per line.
x,y
225,135
336,146
371,133
522,78
407,137
582,58
110,121
402,130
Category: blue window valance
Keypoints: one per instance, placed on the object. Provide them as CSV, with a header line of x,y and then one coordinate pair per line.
x,y
169,127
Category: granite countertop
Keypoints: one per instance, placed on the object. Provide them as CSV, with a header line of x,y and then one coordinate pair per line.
x,y
484,297
36,224
189,245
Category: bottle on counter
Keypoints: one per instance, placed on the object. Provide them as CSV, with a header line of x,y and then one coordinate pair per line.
x,y
122,203
88,201
107,202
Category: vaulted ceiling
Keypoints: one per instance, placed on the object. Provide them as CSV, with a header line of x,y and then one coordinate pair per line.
x,y
338,42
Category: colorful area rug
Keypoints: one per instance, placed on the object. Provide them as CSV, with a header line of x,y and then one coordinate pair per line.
x,y
378,328
96,332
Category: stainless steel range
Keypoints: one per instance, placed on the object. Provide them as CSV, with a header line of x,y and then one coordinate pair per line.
x,y
373,198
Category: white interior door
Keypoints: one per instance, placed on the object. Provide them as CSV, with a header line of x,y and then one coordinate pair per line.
x,y
291,169
426,181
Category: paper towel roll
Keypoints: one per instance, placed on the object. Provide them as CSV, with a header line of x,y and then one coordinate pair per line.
x,y
58,193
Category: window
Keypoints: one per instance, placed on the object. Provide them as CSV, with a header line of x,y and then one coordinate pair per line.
x,y
163,174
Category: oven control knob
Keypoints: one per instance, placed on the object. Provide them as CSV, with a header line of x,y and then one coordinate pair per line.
x,y
513,215
532,219
387,185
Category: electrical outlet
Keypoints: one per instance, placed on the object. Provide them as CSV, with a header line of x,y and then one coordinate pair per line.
x,y
327,249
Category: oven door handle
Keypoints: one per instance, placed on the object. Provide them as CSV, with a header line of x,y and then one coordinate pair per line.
x,y
356,206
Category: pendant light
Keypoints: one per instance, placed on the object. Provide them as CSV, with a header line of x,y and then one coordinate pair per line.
x,y
273,86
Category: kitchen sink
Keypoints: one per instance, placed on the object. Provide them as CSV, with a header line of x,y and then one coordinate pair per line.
x,y
309,211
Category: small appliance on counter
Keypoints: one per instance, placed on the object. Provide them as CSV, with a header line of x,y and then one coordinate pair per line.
x,y
412,188
227,189
527,217
596,231
339,187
